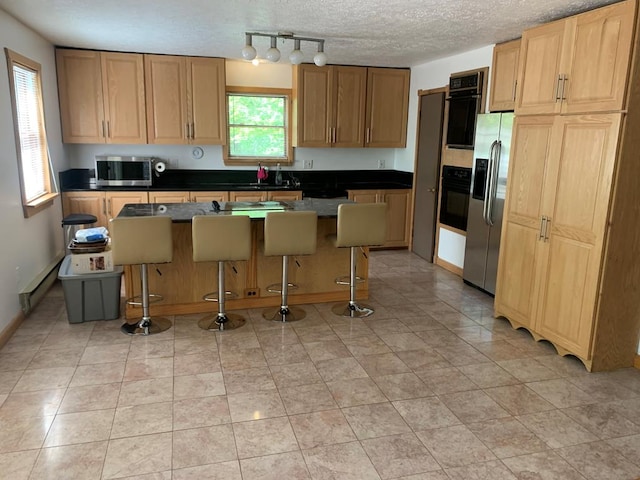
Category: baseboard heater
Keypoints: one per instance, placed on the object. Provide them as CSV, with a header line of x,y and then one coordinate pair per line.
x,y
38,287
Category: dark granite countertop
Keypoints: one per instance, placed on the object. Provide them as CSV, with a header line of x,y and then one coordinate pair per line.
x,y
184,212
313,183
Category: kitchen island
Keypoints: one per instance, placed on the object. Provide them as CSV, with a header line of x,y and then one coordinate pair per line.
x,y
182,283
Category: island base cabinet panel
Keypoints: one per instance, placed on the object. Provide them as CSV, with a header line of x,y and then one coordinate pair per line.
x,y
184,282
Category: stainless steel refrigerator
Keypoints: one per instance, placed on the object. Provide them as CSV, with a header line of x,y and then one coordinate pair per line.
x,y
486,199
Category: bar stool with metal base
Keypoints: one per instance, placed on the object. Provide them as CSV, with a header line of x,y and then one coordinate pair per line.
x,y
141,241
287,234
220,239
359,225
70,224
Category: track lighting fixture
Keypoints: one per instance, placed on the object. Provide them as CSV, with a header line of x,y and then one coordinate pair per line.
x,y
273,54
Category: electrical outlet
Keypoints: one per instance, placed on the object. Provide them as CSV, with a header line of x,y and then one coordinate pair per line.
x,y
308,163
381,164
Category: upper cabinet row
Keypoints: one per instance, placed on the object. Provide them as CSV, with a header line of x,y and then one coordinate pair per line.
x,y
575,65
129,98
338,106
106,97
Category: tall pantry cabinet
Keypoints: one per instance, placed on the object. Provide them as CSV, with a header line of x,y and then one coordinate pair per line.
x,y
569,267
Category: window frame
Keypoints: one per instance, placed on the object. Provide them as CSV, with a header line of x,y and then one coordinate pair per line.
x,y
253,161
30,206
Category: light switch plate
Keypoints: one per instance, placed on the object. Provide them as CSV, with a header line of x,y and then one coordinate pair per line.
x,y
308,164
381,164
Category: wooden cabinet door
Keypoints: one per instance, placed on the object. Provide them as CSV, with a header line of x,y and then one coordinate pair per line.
x,y
117,200
90,203
364,196
584,157
123,90
398,211
285,196
166,93
504,76
348,93
539,73
599,61
313,106
209,196
80,95
259,196
169,197
520,245
387,106
206,100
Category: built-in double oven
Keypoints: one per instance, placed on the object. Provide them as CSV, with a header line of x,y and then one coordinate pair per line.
x,y
454,200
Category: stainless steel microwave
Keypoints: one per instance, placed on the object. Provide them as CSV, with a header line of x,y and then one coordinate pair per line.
x,y
125,171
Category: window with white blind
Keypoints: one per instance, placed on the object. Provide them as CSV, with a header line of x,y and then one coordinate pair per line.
x,y
31,139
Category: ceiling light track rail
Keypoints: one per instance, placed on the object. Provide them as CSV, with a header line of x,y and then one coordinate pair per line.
x,y
273,54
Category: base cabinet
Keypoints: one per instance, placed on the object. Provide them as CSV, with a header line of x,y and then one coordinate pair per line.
x,y
103,205
398,212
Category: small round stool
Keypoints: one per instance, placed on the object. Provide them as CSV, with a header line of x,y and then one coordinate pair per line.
x,y
286,234
219,239
71,223
141,241
359,225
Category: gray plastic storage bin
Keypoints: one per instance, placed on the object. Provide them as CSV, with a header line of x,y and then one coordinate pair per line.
x,y
90,296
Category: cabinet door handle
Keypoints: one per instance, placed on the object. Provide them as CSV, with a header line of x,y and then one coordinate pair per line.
x,y
368,136
543,227
108,130
103,130
104,207
564,87
334,135
515,85
558,97
186,130
193,131
109,208
547,227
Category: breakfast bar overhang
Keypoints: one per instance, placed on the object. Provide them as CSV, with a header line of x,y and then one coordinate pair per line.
x,y
182,283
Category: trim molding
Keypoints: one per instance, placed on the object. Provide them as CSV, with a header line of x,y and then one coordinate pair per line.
x,y
9,330
636,362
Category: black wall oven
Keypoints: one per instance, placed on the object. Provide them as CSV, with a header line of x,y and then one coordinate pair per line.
x,y
465,98
454,201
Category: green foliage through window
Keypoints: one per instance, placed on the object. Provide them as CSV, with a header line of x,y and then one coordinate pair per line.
x,y
257,125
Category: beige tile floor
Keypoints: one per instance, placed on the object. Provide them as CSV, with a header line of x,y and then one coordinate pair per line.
x,y
430,387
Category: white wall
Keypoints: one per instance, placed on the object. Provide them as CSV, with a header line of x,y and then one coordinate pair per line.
x,y
435,75
242,74
28,244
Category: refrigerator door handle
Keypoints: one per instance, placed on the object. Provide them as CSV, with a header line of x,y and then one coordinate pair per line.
x,y
487,185
490,196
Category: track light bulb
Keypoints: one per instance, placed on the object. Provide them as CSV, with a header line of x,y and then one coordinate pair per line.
x,y
248,52
296,55
273,54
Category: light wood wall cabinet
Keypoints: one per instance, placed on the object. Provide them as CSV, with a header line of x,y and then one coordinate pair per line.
x,y
387,107
185,100
398,212
504,76
569,269
330,106
101,97
578,64
104,205
338,106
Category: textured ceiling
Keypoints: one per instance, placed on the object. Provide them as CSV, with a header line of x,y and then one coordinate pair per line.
x,y
358,32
